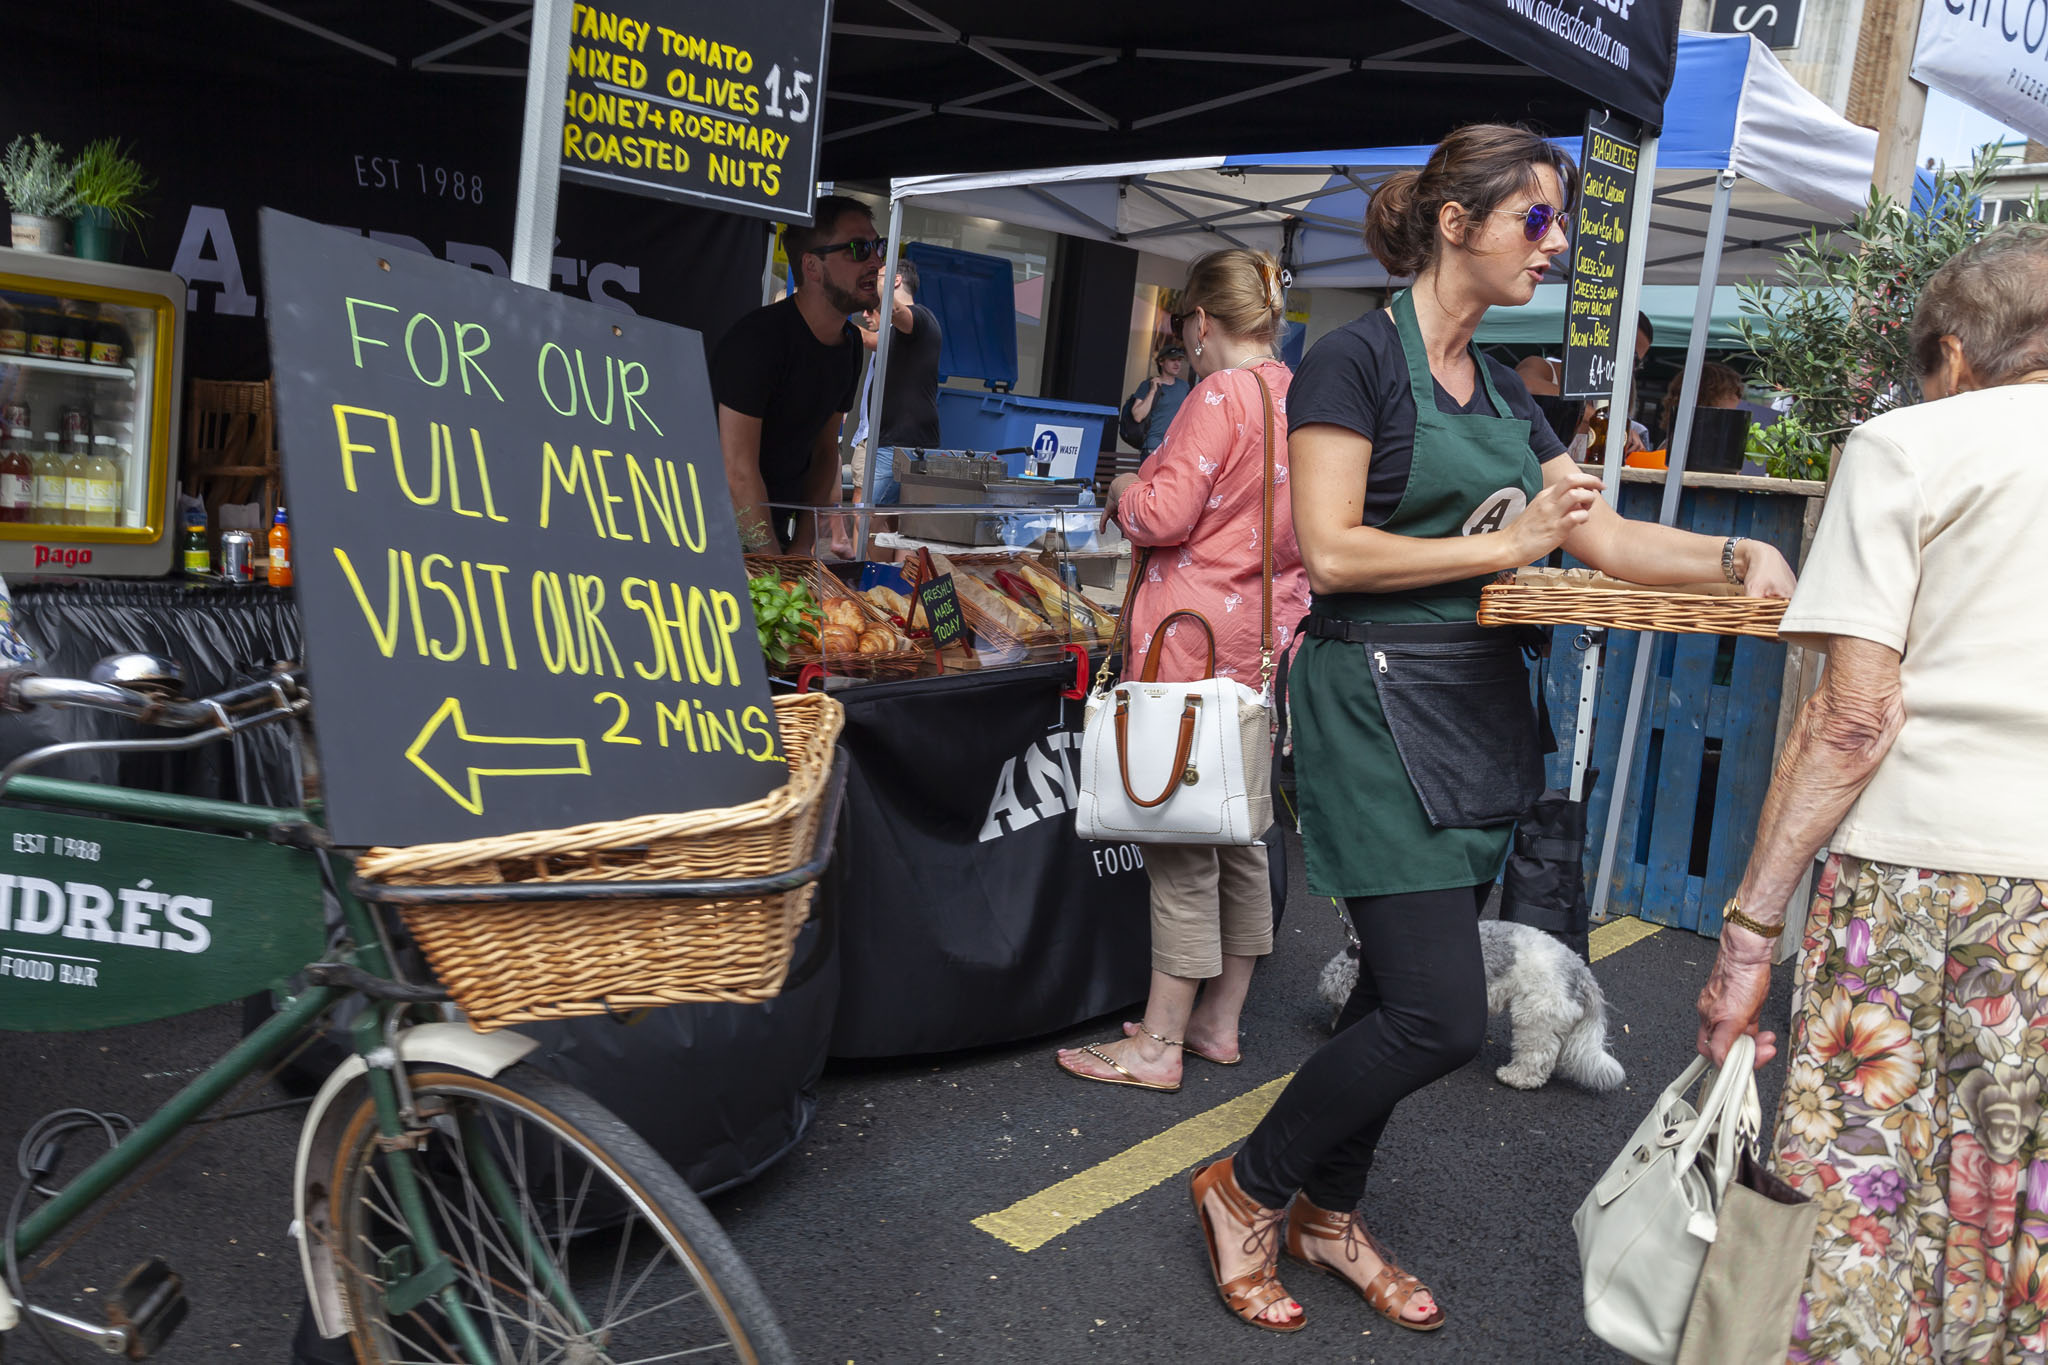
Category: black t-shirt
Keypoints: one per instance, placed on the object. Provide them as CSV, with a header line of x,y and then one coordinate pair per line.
x,y
1357,378
772,366
910,405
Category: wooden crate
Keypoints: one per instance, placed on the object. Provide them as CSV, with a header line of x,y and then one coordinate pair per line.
x,y
1706,739
230,454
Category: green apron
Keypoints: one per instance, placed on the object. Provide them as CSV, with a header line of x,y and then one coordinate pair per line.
x,y
1363,828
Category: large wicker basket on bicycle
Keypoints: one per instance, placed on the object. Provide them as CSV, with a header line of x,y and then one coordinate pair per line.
x,y
1580,597
520,963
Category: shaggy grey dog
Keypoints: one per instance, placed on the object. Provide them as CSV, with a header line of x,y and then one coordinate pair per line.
x,y
1548,993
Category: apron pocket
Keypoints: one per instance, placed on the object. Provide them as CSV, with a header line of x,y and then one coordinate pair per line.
x,y
1462,721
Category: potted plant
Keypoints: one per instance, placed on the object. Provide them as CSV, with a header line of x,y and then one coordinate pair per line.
x,y
38,183
110,184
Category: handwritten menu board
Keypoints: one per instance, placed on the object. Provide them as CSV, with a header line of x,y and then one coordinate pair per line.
x,y
523,598
699,102
1592,335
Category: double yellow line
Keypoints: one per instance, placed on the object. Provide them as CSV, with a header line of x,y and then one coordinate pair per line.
x,y
1035,1220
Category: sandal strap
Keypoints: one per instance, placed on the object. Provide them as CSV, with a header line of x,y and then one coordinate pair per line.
x,y
1392,1290
1108,1061
1253,1292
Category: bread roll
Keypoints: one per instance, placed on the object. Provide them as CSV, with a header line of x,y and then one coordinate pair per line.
x,y
839,640
890,601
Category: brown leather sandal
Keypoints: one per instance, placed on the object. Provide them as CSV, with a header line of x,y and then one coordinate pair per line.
x,y
1253,1292
1390,1292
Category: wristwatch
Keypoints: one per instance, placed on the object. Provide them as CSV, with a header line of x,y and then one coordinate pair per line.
x,y
1731,913
1728,569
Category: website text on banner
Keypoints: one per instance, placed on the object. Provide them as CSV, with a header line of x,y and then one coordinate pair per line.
x,y
695,101
1607,165
523,597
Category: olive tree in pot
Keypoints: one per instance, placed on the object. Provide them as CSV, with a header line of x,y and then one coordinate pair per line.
x,y
110,186
39,185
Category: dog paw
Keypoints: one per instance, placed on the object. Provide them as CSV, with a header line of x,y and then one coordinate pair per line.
x,y
1521,1079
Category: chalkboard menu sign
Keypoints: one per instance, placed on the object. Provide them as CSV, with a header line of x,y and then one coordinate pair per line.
x,y
523,597
1592,334
941,609
699,102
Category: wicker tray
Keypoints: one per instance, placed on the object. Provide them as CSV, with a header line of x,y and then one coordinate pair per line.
x,y
905,662
521,963
996,640
1579,597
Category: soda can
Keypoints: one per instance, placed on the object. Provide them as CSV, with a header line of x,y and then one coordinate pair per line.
x,y
15,415
237,550
77,424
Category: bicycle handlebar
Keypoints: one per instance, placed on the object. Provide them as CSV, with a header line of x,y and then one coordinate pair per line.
x,y
23,689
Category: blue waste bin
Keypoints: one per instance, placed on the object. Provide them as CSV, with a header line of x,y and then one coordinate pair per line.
x,y
1051,437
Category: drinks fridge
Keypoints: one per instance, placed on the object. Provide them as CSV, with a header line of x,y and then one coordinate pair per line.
x,y
90,372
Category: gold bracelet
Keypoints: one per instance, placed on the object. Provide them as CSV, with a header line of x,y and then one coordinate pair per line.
x,y
1731,913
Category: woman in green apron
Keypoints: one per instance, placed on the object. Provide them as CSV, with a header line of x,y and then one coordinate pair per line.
x,y
1420,471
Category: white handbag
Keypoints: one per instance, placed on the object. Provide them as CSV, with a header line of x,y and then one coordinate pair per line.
x,y
1183,762
1645,1228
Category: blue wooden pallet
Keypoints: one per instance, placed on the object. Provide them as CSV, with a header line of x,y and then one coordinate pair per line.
x,y
1704,743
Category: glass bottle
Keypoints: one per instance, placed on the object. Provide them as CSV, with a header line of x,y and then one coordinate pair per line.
x,y
53,508
1596,448
17,478
102,483
197,557
280,550
77,482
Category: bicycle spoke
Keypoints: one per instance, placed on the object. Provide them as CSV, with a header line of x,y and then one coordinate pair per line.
x,y
670,1303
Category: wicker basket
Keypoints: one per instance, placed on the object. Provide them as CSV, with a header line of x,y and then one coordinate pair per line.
x,y
906,662
522,963
1579,597
995,640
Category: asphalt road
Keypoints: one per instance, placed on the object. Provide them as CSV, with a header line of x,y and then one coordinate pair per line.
x,y
863,1237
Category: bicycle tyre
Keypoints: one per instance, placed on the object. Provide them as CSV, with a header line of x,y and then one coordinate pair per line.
x,y
639,1184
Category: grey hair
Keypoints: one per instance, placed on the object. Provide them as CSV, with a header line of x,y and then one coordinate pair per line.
x,y
1992,297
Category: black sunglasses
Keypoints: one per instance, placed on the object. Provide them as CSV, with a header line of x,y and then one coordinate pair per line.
x,y
1176,321
1536,221
860,248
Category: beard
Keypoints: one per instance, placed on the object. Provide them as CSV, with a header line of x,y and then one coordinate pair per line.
x,y
852,301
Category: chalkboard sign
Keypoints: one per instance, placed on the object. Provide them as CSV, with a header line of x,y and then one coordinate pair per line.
x,y
699,102
941,609
1592,333
1774,22
523,598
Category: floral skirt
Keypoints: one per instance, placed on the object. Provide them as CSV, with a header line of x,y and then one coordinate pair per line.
x,y
1913,1115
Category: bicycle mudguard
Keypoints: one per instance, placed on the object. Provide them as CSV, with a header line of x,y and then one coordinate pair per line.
x,y
451,1044
106,922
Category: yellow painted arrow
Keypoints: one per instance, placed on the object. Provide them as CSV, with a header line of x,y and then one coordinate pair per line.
x,y
453,759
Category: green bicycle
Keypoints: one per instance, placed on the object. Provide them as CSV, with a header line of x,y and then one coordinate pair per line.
x,y
451,1202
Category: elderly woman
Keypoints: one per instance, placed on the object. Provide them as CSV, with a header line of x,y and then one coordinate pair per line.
x,y
1913,1110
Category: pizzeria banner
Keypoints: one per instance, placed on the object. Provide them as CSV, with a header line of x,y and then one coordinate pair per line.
x,y
1991,56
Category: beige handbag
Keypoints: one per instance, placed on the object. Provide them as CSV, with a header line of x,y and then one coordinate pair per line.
x,y
1645,1229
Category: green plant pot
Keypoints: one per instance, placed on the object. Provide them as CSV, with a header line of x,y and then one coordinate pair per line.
x,y
96,237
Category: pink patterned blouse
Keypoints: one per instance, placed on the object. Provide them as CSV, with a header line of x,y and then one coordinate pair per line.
x,y
1197,504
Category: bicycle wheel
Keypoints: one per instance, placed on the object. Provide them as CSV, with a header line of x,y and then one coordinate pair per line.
x,y
572,1242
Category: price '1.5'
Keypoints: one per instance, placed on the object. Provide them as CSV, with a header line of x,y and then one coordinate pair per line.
x,y
797,92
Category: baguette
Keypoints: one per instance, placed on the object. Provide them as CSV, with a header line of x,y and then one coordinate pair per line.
x,y
995,605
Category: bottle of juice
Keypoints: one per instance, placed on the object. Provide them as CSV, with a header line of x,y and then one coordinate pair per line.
x,y
52,506
280,550
197,558
102,483
77,482
17,478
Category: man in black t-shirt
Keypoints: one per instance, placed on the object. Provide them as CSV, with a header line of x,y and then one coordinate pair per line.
x,y
910,407
784,378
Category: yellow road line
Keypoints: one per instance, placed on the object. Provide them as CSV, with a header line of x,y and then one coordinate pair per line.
x,y
1031,1222
1617,934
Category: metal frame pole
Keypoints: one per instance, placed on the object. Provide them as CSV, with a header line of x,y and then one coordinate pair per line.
x,y
1674,480
540,144
1634,264
879,370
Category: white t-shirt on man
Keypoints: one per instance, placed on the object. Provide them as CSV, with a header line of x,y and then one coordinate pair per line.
x,y
1935,542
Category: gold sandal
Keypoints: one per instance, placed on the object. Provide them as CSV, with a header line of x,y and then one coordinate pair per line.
x,y
1390,1292
1118,1067
1253,1292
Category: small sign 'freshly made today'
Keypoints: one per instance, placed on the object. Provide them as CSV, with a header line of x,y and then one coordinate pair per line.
x,y
523,596
1600,232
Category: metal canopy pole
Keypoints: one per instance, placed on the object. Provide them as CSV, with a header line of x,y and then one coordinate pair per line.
x,y
879,372
1633,266
540,144
1674,480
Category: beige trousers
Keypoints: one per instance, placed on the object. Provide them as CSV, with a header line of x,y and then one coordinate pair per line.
x,y
1208,900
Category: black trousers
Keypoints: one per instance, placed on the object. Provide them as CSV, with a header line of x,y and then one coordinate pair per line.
x,y
1417,1014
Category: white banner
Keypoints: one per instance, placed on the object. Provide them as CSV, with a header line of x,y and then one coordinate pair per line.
x,y
1990,54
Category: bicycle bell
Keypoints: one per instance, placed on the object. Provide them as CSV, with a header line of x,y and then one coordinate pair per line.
x,y
151,674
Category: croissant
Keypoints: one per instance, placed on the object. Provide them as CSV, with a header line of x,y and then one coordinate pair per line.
x,y
839,640
878,641
841,611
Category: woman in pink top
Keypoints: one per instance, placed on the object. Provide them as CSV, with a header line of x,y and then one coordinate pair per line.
x,y
1197,505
